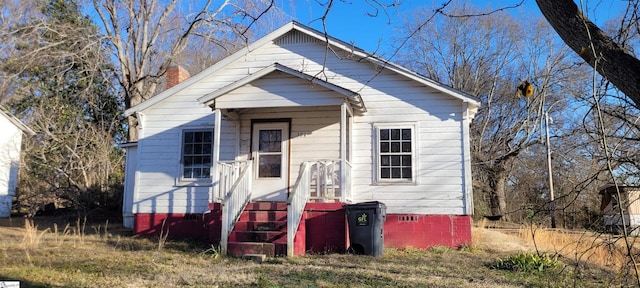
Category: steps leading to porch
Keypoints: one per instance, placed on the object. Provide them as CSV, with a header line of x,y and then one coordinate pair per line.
x,y
261,229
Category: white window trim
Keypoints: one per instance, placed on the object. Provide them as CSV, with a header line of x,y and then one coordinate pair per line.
x,y
198,182
376,152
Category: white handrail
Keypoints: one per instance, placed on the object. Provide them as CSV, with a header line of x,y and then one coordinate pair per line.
x,y
296,203
235,198
229,172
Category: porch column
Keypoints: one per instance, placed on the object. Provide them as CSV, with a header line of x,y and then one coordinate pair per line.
x,y
215,177
466,161
344,109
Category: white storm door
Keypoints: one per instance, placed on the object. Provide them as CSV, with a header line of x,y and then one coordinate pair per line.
x,y
271,161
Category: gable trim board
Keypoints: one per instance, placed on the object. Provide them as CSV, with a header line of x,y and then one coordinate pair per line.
x,y
334,103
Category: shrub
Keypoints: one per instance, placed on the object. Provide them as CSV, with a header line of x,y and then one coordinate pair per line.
x,y
527,262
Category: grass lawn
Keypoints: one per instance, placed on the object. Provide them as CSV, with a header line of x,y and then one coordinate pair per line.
x,y
101,255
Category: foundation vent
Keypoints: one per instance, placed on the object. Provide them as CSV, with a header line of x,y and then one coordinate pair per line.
x,y
408,218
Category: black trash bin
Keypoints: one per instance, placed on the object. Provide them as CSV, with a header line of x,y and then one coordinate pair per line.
x,y
366,227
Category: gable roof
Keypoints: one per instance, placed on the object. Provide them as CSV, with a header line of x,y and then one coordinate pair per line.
x,y
15,121
291,26
351,96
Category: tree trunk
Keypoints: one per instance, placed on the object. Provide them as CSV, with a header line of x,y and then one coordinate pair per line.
x,y
497,184
585,38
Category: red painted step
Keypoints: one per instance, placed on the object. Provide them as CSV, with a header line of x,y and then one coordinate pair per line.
x,y
267,206
261,226
263,216
258,236
261,229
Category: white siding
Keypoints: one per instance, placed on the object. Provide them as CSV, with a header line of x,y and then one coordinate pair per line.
x,y
387,96
10,140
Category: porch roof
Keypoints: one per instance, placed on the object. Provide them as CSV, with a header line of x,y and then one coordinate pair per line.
x,y
351,97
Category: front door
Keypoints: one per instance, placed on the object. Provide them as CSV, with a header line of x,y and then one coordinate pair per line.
x,y
270,159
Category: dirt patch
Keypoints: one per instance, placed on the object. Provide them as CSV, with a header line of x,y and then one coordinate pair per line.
x,y
494,240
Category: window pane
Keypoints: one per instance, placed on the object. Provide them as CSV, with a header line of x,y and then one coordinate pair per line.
x,y
188,137
385,173
395,147
269,166
406,134
395,173
197,148
208,137
384,147
406,160
206,148
384,161
384,134
406,146
187,173
395,134
406,173
188,149
395,160
270,141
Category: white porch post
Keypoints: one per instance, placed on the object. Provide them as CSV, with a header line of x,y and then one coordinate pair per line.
x,y
344,109
466,160
215,177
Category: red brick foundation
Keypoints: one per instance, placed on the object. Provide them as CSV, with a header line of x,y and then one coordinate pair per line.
x,y
323,228
426,231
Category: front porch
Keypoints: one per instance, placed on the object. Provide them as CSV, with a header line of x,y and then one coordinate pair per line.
x,y
279,228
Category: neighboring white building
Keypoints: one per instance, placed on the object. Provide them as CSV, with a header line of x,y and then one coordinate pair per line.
x,y
372,130
10,143
628,202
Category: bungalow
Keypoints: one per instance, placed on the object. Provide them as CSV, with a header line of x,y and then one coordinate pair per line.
x,y
10,146
261,151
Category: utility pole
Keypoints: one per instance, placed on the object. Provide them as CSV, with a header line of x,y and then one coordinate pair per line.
x,y
552,204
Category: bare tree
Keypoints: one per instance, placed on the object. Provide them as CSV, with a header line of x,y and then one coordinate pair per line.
x,y
489,57
611,59
146,37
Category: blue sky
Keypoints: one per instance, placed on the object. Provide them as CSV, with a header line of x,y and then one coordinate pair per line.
x,y
348,20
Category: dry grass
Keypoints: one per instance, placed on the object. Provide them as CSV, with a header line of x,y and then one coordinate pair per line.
x,y
605,250
104,256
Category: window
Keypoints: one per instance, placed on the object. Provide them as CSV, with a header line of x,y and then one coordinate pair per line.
x,y
197,153
395,153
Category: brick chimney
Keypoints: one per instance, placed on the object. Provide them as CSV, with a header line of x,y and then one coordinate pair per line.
x,y
175,75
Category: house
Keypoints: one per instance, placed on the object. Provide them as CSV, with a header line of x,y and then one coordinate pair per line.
x,y
629,200
261,151
10,146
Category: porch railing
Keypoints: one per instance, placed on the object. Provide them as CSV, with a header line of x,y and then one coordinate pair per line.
x,y
235,196
296,203
229,172
330,181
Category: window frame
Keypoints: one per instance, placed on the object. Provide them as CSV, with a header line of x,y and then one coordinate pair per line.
x,y
204,181
377,179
